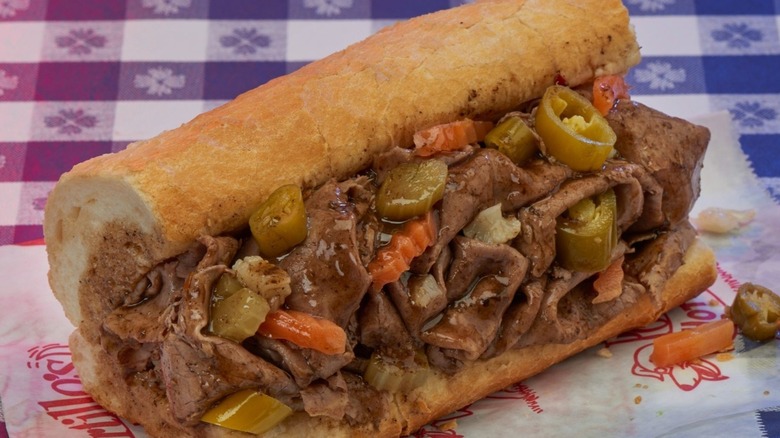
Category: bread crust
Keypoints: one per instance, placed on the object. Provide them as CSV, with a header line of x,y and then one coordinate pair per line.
x,y
439,395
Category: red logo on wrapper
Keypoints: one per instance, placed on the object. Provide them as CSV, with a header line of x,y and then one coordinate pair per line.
x,y
687,375
520,391
444,427
71,406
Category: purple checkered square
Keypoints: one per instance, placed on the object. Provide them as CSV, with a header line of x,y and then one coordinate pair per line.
x,y
295,65
248,10
67,10
226,80
77,81
46,161
27,233
17,81
117,146
12,156
401,9
161,80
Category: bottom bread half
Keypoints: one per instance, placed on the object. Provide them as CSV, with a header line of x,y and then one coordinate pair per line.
x,y
441,394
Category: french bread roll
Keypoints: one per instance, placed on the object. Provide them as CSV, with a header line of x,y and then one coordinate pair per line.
x,y
112,219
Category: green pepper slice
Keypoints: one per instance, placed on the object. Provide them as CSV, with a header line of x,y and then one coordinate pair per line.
x,y
238,316
410,189
513,138
586,236
248,411
280,222
756,311
572,129
227,285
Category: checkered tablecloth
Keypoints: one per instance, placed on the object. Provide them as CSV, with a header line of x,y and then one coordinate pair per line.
x,y
80,78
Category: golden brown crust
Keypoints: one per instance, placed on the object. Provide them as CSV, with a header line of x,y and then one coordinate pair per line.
x,y
440,394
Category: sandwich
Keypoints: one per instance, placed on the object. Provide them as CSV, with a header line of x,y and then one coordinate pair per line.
x,y
383,236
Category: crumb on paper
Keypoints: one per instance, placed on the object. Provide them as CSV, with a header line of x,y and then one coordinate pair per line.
x,y
724,357
766,392
638,385
645,386
713,303
604,352
637,399
449,425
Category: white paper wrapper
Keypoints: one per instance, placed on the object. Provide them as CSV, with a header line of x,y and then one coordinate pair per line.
x,y
590,395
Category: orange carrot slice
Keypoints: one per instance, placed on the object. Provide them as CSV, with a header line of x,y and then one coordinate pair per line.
x,y
691,344
450,136
305,330
395,258
608,89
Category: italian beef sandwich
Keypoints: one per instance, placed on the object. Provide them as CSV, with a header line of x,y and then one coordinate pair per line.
x,y
388,234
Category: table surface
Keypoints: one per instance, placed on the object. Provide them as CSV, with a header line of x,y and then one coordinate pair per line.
x,y
80,78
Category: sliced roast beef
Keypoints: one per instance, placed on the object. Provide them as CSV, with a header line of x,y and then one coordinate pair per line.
x,y
537,238
327,276
326,398
485,179
418,299
381,327
671,149
305,365
657,259
481,283
460,300
518,317
146,321
198,369
576,316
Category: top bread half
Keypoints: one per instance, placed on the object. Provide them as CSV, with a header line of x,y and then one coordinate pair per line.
x,y
112,218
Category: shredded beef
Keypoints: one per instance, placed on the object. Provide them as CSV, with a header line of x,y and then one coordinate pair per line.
x,y
198,369
462,299
656,260
518,317
481,283
381,327
537,240
482,181
328,398
327,276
